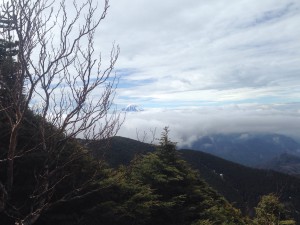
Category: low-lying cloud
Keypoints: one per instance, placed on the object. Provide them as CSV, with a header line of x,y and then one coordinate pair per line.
x,y
187,125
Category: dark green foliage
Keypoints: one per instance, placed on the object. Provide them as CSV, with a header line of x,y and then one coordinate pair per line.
x,y
8,67
159,188
73,167
244,185
122,201
271,211
184,197
114,199
240,185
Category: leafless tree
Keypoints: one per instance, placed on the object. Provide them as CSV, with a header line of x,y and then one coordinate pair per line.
x,y
144,137
61,79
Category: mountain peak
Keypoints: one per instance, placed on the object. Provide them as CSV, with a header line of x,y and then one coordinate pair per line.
x,y
132,108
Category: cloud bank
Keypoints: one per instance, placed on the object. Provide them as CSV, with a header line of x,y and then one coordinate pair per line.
x,y
187,125
202,67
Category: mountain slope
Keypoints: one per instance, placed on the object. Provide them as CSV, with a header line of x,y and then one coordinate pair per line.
x,y
285,163
118,150
241,185
245,148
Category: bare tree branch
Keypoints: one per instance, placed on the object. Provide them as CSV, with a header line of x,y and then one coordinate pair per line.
x,y
57,67
144,137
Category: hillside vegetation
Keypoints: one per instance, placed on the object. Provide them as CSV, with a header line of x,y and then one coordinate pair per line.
x,y
156,187
242,186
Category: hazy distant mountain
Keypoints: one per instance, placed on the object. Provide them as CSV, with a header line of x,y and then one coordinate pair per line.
x,y
285,163
132,108
247,149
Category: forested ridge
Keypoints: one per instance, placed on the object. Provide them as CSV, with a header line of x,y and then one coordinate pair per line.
x,y
158,187
242,186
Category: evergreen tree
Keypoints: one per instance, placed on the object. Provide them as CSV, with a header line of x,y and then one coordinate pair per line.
x,y
183,197
8,65
270,211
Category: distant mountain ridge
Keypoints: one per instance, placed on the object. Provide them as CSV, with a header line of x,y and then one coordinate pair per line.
x,y
132,108
250,149
285,163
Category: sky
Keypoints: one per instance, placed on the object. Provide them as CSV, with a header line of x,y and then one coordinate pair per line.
x,y
206,66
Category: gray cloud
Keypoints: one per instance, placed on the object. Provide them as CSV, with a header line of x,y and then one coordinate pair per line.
x,y
205,45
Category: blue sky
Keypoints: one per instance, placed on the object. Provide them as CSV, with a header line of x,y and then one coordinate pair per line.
x,y
218,58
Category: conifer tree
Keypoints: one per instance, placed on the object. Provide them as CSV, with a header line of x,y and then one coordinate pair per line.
x,y
183,197
8,65
270,211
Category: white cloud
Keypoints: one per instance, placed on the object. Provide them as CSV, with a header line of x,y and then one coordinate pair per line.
x,y
239,47
206,66
187,125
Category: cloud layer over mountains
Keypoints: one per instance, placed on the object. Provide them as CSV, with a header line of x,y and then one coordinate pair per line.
x,y
187,125
203,66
